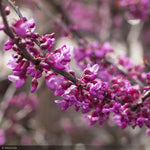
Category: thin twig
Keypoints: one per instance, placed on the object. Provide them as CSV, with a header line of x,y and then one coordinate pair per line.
x,y
50,15
7,29
66,75
64,26
16,8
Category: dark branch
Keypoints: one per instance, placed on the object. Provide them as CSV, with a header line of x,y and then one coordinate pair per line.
x,y
23,50
7,29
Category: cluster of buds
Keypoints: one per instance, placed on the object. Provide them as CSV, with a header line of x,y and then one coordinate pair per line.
x,y
30,60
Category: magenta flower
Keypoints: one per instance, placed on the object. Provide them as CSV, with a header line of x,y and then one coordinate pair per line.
x,y
18,81
9,44
12,63
34,85
59,58
48,41
21,28
52,81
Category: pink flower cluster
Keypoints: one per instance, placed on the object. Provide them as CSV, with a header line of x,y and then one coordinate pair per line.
x,y
85,17
44,58
21,108
91,54
91,92
102,89
118,97
94,53
136,9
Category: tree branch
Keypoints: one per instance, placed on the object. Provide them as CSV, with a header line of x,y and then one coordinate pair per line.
x,y
16,8
78,37
7,29
23,50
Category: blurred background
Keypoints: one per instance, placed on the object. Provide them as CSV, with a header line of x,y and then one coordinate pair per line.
x,y
34,119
